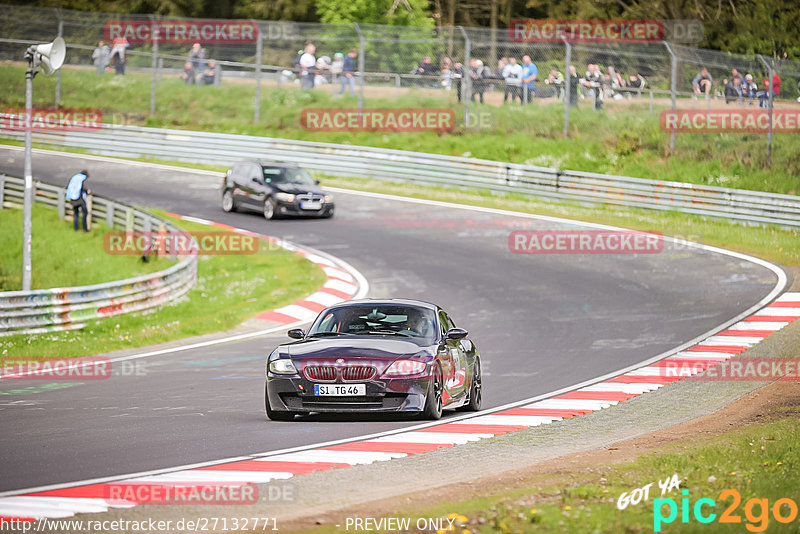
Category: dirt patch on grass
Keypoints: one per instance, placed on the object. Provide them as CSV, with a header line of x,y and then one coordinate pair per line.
x,y
779,399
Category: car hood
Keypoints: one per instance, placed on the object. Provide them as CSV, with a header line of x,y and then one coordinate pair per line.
x,y
299,189
374,348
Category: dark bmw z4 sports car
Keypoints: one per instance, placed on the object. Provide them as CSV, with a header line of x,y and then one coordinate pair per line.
x,y
375,356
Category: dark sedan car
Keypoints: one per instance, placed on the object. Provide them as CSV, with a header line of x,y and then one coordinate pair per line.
x,y
274,189
375,356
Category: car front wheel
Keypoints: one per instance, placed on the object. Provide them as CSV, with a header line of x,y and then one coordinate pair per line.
x,y
433,400
228,204
269,209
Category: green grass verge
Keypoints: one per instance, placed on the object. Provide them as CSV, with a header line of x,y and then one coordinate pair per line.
x,y
61,257
760,461
626,139
230,289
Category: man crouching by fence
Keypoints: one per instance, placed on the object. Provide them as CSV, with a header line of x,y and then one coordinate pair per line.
x,y
76,195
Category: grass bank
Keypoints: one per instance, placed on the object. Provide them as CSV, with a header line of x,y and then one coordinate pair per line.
x,y
626,139
61,257
230,289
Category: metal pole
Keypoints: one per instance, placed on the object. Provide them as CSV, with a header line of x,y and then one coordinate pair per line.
x,y
361,68
567,86
466,79
28,197
672,89
770,74
257,110
154,65
58,74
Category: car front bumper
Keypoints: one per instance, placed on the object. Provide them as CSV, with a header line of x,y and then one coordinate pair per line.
x,y
296,394
293,209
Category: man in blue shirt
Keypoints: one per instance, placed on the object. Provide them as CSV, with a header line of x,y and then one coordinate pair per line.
x,y
76,194
346,79
529,74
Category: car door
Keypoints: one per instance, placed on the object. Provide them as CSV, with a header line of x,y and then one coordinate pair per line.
x,y
455,376
253,185
237,181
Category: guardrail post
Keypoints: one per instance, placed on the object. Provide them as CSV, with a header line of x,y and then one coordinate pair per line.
x,y
672,90
110,214
147,224
129,220
154,66
361,68
257,110
2,189
567,85
62,206
466,79
770,74
58,72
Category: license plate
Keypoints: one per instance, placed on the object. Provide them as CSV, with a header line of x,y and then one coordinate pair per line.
x,y
310,205
340,390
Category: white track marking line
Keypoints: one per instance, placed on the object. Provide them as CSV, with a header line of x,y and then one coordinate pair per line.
x,y
453,438
47,504
636,389
340,285
757,325
789,296
572,404
298,312
702,356
210,477
343,457
777,310
511,420
736,341
326,299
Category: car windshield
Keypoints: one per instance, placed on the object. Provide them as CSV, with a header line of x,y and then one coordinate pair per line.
x,y
287,175
377,320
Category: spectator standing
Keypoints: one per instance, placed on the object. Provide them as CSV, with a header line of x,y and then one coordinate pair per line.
x,y
118,47
572,82
426,68
336,66
478,73
702,83
512,74
446,71
457,75
307,64
76,195
594,80
348,70
197,57
556,79
529,75
188,73
100,57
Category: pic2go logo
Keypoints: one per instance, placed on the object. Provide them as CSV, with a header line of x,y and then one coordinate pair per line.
x,y
756,511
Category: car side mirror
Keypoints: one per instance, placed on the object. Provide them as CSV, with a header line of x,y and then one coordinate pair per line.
x,y
254,179
316,182
296,333
456,333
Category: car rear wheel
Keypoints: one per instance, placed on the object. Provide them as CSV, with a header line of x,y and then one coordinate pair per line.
x,y
228,204
272,414
475,391
433,400
269,209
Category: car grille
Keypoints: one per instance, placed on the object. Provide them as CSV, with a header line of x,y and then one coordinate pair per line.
x,y
310,197
329,373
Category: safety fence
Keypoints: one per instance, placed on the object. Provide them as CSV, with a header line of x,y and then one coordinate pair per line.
x,y
68,308
386,164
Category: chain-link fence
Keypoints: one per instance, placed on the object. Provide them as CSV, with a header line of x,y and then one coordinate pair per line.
x,y
474,71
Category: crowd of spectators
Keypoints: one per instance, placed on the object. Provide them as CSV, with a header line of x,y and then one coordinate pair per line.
x,y
311,71
737,88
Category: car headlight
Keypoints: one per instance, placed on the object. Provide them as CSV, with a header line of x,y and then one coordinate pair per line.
x,y
328,199
282,366
405,368
285,197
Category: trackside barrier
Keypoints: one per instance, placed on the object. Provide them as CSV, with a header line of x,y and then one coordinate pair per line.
x,y
367,162
68,308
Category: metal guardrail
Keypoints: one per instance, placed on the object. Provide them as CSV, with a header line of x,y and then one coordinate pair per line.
x,y
68,308
359,161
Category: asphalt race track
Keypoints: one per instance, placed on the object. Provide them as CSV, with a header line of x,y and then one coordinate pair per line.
x,y
541,322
